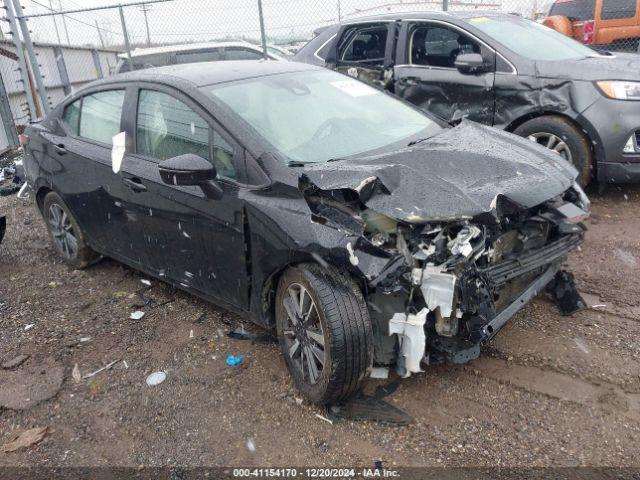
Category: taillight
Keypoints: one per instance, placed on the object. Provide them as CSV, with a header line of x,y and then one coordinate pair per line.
x,y
23,139
588,32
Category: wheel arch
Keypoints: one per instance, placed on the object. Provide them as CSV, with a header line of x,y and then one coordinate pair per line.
x,y
580,123
268,290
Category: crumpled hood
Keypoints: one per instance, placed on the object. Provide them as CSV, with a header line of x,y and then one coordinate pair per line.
x,y
619,66
460,173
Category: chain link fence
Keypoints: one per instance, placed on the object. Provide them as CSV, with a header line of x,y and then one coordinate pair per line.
x,y
72,42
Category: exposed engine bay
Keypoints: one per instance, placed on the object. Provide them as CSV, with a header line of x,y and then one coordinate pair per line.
x,y
438,289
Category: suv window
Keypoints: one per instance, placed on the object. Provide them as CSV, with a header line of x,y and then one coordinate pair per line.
x,y
166,128
212,55
241,54
614,9
71,116
575,9
364,44
100,115
439,46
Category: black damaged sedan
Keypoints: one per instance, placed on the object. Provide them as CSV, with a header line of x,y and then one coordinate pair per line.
x,y
361,229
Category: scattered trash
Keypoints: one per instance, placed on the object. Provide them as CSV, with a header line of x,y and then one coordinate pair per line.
x,y
251,446
137,315
625,257
190,333
75,373
25,387
126,365
599,305
156,378
85,339
24,439
380,373
106,367
29,326
146,282
15,362
581,345
233,361
298,401
324,418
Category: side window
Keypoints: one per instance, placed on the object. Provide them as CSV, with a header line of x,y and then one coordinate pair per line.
x,y
166,128
100,115
212,55
364,44
616,9
71,116
241,54
438,46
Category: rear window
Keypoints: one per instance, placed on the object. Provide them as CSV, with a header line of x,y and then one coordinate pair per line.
x,y
574,9
100,115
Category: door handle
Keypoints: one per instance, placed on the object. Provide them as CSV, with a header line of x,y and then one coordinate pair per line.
x,y
135,184
59,148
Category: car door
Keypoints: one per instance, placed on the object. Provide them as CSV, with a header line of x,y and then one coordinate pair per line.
x,y
192,240
425,72
80,158
364,51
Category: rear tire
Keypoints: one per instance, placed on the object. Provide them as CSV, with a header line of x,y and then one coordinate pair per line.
x,y
336,337
66,234
560,135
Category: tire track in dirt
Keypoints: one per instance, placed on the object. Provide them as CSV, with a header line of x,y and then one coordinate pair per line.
x,y
564,387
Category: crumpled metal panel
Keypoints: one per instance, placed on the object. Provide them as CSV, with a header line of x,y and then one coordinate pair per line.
x,y
459,173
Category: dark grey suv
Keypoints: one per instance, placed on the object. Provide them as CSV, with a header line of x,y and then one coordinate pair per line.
x,y
500,70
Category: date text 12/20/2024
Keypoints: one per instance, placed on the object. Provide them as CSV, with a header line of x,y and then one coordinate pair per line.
x,y
315,473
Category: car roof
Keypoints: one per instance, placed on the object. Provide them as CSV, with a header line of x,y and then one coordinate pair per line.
x,y
435,14
186,47
209,73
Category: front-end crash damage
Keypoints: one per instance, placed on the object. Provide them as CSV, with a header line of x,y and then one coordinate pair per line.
x,y
438,288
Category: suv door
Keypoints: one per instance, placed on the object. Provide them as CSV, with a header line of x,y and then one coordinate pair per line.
x,y
425,72
365,51
194,241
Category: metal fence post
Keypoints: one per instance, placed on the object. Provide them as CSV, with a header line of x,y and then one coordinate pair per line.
x,y
263,35
62,68
22,64
445,5
126,37
42,92
7,117
96,62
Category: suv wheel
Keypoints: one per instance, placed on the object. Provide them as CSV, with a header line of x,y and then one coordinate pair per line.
x,y
324,331
561,136
67,237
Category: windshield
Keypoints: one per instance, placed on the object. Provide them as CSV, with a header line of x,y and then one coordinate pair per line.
x,y
319,115
532,40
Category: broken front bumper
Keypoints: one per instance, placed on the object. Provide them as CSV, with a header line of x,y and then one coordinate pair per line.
x,y
531,272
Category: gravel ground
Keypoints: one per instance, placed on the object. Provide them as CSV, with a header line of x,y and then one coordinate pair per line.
x,y
547,391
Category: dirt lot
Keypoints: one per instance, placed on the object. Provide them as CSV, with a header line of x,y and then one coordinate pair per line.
x,y
549,390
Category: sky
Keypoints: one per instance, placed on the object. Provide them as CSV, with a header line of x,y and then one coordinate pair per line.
x,y
180,21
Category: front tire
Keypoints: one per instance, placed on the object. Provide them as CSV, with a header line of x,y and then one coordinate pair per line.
x,y
560,135
66,234
324,331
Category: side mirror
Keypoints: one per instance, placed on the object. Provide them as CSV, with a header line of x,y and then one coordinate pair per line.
x,y
471,63
193,170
